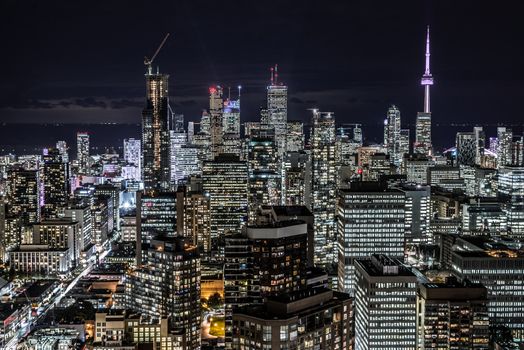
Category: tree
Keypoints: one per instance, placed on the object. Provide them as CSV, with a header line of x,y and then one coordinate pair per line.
x,y
215,301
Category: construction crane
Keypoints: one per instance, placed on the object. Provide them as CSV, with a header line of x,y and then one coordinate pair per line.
x,y
148,61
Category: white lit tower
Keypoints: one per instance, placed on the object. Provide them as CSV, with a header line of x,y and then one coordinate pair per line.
x,y
392,135
277,109
156,165
82,151
324,186
216,111
423,126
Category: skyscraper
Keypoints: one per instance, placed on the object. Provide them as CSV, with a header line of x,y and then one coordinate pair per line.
x,y
285,271
24,196
277,109
263,172
82,152
423,126
155,133
168,285
216,111
231,115
392,141
132,156
178,140
225,181
503,150
385,304
296,179
155,215
295,136
324,186
55,181
371,220
452,315
467,145
63,150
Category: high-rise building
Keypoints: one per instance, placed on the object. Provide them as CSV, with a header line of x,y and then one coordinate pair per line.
x,y
187,163
82,152
156,166
315,318
324,185
385,304
216,111
114,193
470,147
59,233
452,315
132,156
392,135
231,115
503,149
423,143
178,122
371,220
295,137
263,173
488,217
155,215
349,140
498,264
240,286
296,179
193,215
225,181
178,140
277,110
81,212
423,134
285,271
415,167
417,214
511,190
403,142
167,285
24,197
56,184
62,148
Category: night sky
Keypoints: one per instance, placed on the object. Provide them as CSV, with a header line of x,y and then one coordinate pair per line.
x,y
82,61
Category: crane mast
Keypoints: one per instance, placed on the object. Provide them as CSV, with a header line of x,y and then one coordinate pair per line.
x,y
148,62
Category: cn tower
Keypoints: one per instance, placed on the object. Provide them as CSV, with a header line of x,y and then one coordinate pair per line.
x,y
423,126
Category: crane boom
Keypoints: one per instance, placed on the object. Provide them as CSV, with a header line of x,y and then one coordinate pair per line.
x,y
148,61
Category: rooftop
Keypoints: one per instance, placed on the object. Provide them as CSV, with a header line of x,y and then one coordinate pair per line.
x,y
297,304
381,266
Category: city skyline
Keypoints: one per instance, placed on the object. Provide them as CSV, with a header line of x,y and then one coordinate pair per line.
x,y
271,217
84,77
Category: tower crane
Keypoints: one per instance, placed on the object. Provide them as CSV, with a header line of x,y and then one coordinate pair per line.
x,y
148,61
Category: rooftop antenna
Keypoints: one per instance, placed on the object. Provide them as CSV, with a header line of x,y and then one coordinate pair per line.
x,y
276,74
148,62
272,74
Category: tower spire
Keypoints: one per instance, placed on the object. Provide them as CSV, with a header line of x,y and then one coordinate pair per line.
x,y
427,78
427,53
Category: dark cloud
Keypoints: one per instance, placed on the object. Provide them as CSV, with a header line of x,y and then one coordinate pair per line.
x,y
126,103
90,102
296,100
